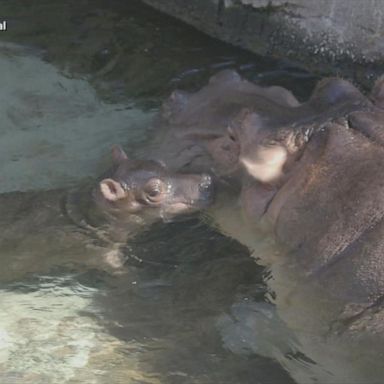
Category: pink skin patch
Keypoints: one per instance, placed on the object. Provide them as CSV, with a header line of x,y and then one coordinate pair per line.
x,y
266,163
111,190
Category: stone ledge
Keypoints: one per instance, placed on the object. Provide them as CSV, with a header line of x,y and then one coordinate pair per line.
x,y
328,36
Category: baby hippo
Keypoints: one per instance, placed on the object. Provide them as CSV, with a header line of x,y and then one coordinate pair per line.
x,y
142,191
90,226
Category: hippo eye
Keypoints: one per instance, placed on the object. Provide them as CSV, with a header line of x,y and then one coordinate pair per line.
x,y
154,190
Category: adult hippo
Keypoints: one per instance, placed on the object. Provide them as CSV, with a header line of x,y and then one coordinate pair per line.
x,y
89,226
317,184
311,174
280,142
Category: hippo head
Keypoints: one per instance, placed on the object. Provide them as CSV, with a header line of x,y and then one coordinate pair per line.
x,y
147,190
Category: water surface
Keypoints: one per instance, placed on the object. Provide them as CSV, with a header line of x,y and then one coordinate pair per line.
x,y
189,305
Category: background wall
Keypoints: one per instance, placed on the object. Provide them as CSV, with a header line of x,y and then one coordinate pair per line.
x,y
325,35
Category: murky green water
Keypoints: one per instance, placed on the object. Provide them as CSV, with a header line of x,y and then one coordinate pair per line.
x,y
190,305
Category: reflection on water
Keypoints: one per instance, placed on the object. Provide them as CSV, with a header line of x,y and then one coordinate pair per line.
x,y
190,306
156,321
40,330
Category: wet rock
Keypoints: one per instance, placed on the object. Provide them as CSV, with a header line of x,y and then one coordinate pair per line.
x,y
318,33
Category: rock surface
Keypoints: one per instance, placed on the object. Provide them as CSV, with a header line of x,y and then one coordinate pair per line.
x,y
321,34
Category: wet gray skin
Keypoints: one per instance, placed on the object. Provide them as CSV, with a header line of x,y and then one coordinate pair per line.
x,y
318,185
89,225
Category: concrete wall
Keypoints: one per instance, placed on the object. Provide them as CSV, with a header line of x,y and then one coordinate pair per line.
x,y
322,34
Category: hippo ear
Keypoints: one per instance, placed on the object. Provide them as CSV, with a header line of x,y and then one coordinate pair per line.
x,y
333,90
118,154
377,93
282,96
111,190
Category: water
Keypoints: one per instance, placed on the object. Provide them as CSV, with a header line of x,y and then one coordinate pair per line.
x,y
190,305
